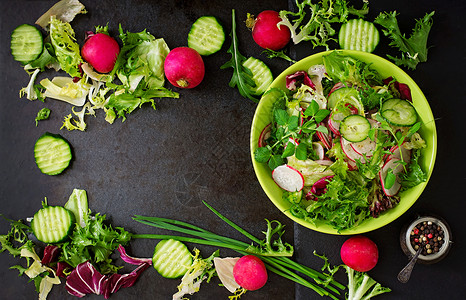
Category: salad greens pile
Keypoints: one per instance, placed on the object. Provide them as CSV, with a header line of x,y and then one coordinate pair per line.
x,y
315,21
340,189
92,241
136,79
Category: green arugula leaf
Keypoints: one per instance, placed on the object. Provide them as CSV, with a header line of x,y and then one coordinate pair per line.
x,y
413,49
242,76
413,129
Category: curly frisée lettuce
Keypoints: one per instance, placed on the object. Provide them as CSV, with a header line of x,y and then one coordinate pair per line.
x,y
137,78
85,256
361,286
66,49
320,18
200,270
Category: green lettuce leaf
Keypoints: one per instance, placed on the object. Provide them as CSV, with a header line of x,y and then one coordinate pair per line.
x,y
144,58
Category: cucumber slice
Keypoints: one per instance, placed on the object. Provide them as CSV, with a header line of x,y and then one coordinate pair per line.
x,y
355,128
261,75
171,258
52,224
52,154
206,35
26,43
399,112
357,34
347,94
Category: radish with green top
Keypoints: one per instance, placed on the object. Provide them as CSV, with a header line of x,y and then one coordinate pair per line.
x,y
184,67
250,272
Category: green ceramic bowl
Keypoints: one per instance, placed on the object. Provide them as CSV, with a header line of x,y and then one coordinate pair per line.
x,y
262,117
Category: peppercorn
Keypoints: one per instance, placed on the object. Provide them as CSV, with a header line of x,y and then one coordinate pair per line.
x,y
428,236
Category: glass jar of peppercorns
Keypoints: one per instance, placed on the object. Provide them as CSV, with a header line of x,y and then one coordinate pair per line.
x,y
430,233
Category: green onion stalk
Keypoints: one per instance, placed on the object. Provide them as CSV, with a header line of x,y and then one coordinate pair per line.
x,y
277,262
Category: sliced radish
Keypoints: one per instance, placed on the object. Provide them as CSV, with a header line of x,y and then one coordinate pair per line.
x,y
265,134
324,162
337,86
293,141
351,165
349,151
334,121
288,178
374,123
366,147
325,138
398,152
395,165
319,149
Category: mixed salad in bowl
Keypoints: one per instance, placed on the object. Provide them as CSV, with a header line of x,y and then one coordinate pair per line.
x,y
343,142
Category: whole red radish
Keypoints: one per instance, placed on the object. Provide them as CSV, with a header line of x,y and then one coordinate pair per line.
x,y
359,253
250,273
184,67
101,52
267,34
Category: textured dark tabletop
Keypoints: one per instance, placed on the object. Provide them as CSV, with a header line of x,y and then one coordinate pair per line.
x,y
164,162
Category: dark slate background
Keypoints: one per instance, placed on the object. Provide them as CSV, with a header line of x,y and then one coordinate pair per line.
x,y
164,162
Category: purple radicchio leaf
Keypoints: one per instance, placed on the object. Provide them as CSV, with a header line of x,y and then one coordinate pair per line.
x,y
132,260
116,281
319,188
293,80
50,254
85,279
402,88
63,267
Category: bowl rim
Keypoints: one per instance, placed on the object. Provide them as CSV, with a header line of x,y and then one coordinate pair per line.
x,y
428,156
